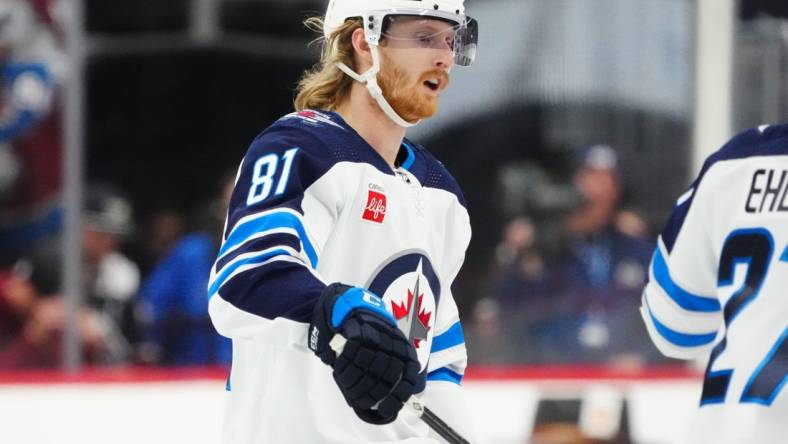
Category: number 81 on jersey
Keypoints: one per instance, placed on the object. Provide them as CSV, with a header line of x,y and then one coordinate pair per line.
x,y
263,176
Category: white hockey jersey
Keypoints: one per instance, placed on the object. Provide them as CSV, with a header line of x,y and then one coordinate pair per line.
x,y
315,204
719,284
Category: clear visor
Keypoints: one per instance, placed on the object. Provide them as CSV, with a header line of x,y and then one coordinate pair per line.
x,y
410,31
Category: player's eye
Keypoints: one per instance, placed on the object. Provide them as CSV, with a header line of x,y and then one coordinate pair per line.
x,y
424,39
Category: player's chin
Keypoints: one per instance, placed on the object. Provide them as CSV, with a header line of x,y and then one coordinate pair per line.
x,y
427,104
416,107
431,112
430,108
421,114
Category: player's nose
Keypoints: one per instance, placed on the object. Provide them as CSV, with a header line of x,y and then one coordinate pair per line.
x,y
444,59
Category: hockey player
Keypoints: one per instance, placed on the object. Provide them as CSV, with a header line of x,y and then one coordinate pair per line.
x,y
339,227
718,283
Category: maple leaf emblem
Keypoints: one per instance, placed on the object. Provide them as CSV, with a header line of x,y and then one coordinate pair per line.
x,y
414,322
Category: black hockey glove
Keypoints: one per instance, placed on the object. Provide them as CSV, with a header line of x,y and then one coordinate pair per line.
x,y
377,368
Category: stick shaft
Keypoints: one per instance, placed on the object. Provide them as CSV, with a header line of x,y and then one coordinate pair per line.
x,y
441,428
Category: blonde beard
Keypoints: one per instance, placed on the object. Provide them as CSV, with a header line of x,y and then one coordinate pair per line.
x,y
406,97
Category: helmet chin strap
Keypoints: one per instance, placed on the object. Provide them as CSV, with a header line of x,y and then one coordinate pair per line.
x,y
370,79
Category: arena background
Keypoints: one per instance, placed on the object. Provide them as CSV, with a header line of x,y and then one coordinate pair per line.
x,y
161,100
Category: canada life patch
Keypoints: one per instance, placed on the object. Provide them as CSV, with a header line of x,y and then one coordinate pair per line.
x,y
375,210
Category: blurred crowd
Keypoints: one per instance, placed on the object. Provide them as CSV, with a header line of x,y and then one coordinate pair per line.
x,y
144,289
144,278
569,269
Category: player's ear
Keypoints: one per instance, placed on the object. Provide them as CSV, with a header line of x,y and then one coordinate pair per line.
x,y
363,55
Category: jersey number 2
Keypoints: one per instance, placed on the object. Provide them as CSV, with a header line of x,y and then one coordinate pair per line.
x,y
753,247
263,176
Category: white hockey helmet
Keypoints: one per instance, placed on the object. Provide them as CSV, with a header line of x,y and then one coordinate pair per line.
x,y
375,14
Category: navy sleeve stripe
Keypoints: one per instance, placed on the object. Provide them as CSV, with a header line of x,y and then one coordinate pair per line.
x,y
448,339
677,338
676,220
265,222
683,298
275,238
281,287
444,374
257,259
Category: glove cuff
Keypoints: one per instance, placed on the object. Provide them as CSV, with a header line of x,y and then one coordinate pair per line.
x,y
335,304
320,329
356,298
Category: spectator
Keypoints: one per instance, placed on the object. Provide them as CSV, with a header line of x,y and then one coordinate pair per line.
x,y
579,304
491,336
31,326
604,270
110,282
17,297
159,232
522,299
174,295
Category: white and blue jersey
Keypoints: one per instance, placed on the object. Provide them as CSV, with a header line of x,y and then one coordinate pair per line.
x,y
718,285
314,204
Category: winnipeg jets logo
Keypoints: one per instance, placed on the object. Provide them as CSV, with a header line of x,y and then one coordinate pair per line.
x,y
411,290
413,321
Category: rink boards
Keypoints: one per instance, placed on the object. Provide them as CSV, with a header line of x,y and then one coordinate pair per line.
x,y
159,406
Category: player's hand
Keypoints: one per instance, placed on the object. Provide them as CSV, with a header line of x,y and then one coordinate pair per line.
x,y
377,368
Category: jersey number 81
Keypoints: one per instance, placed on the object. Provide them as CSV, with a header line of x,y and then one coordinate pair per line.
x,y
263,176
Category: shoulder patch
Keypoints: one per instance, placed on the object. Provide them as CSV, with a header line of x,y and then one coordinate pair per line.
x,y
313,118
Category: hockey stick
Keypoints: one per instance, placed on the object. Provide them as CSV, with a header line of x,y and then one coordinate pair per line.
x,y
435,422
438,425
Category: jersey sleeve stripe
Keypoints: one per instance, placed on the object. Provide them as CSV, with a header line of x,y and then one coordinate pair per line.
x,y
269,221
668,348
444,374
450,338
238,243
678,338
265,241
676,221
675,317
682,297
255,289
243,261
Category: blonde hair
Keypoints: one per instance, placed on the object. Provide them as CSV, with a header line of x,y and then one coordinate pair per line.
x,y
325,86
